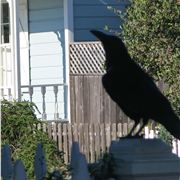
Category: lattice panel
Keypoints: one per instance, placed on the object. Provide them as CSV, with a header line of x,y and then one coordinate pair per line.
x,y
87,58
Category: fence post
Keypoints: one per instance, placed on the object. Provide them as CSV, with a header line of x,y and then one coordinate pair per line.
x,y
7,168
19,171
74,156
39,163
78,164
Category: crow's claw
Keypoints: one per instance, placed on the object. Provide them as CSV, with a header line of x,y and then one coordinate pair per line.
x,y
132,137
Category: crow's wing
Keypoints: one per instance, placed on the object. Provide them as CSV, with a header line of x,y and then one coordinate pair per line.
x,y
137,95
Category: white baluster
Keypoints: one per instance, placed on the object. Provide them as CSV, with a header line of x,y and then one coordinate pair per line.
x,y
5,68
2,93
56,114
43,91
1,64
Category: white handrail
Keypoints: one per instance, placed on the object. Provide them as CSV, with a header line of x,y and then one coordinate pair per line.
x,y
47,85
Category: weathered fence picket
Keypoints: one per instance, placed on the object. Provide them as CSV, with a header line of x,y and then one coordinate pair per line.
x,y
73,150
78,163
39,163
9,170
94,138
19,171
16,171
7,167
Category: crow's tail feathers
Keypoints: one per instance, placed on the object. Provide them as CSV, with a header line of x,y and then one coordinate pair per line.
x,y
172,123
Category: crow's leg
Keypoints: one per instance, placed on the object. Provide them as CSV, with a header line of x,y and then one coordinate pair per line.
x,y
133,128
131,132
145,121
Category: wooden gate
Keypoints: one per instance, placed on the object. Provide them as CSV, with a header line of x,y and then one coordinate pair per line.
x,y
89,101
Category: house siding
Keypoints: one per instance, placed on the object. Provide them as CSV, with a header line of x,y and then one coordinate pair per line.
x,y
47,51
93,14
46,35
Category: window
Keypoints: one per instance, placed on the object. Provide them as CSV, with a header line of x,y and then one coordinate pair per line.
x,y
5,23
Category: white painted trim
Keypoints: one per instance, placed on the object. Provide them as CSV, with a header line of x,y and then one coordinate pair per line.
x,y
15,47
68,35
24,42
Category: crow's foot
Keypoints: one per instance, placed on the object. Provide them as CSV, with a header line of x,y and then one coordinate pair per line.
x,y
132,137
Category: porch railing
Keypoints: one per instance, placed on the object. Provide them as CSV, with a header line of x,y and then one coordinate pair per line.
x,y
6,93
49,98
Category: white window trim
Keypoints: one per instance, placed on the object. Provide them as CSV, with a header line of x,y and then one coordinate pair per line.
x,y
14,42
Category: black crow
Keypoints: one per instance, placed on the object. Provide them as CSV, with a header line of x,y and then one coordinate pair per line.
x,y
133,89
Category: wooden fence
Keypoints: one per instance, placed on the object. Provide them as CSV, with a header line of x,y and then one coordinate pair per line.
x,y
16,170
94,139
91,139
90,103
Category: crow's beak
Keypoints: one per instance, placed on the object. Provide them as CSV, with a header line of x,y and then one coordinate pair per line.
x,y
100,35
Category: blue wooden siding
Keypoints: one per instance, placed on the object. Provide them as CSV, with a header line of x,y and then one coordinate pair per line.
x,y
93,14
47,53
46,29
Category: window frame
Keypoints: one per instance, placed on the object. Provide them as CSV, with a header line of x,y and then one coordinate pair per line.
x,y
5,25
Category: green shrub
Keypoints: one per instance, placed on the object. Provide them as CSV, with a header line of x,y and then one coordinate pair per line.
x,y
103,168
18,130
150,30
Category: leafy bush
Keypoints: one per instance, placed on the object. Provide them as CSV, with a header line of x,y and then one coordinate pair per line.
x,y
103,168
18,130
150,30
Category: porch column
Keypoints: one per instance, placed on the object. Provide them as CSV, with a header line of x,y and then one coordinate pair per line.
x,y
14,19
68,31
